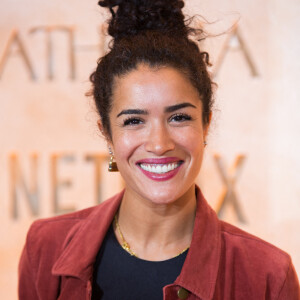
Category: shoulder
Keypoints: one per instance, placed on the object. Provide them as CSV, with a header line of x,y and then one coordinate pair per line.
x,y
243,244
59,229
48,237
63,222
257,264
44,242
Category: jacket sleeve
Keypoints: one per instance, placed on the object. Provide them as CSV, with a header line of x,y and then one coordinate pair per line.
x,y
27,286
290,289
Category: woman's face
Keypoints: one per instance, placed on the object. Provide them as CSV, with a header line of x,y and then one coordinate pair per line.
x,y
157,133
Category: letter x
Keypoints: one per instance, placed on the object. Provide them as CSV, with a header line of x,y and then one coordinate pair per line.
x,y
229,179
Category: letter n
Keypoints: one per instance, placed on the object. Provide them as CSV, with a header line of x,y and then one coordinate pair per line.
x,y
19,186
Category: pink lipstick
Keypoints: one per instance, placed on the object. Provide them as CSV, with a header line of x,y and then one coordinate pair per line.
x,y
160,169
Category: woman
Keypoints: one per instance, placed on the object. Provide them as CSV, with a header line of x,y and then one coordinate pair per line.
x,y
158,239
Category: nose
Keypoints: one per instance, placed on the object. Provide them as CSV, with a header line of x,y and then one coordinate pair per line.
x,y
159,140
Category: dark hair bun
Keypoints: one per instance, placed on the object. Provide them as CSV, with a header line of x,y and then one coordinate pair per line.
x,y
135,16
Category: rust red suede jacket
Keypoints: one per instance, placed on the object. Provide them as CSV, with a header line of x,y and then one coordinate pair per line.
x,y
223,263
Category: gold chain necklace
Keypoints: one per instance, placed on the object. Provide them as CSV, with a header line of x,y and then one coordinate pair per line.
x,y
126,246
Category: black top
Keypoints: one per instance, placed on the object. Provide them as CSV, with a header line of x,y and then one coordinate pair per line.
x,y
120,276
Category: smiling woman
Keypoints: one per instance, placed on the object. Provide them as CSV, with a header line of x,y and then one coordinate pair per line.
x,y
157,135
157,239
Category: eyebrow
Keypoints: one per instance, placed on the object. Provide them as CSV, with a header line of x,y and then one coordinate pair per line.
x,y
173,108
132,112
168,109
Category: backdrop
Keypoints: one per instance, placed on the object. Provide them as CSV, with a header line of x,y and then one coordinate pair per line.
x,y
53,160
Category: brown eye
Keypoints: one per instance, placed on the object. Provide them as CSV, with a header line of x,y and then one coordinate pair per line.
x,y
132,121
180,118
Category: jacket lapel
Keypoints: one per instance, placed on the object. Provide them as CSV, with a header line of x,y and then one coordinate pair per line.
x,y
78,256
200,269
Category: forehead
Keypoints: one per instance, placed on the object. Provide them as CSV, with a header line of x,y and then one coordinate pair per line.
x,y
153,87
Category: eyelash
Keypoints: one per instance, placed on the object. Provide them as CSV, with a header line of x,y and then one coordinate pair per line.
x,y
133,121
184,117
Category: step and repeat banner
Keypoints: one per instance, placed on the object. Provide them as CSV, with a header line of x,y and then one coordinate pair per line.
x,y
53,159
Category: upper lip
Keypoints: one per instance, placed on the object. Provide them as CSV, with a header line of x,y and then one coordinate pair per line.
x,y
163,160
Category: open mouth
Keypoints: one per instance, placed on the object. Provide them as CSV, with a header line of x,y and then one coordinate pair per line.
x,y
160,168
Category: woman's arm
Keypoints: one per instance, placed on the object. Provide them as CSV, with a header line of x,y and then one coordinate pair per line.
x,y
27,287
290,289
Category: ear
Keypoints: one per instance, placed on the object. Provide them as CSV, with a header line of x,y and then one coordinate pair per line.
x,y
103,131
100,126
206,127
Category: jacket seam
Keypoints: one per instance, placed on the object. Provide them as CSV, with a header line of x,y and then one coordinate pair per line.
x,y
61,219
257,240
285,279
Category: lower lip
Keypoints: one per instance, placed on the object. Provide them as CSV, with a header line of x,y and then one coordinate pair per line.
x,y
163,176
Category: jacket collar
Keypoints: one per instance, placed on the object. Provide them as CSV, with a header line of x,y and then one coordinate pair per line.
x,y
200,269
79,255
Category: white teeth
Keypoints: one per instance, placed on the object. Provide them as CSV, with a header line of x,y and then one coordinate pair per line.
x,y
159,169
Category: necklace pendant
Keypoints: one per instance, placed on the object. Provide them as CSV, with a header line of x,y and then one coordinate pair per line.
x,y
126,247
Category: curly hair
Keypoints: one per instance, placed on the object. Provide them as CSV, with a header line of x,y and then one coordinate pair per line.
x,y
151,32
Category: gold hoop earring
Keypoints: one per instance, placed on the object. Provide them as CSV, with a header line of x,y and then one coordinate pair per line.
x,y
112,165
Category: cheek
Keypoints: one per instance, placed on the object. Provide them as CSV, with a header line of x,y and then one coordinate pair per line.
x,y
191,139
195,149
125,145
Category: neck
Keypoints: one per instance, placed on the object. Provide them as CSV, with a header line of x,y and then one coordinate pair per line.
x,y
157,231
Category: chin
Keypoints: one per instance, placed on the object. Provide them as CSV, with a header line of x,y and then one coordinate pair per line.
x,y
162,200
164,196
